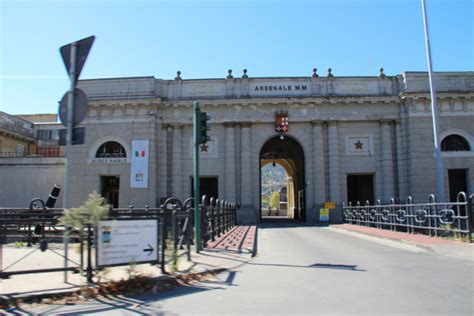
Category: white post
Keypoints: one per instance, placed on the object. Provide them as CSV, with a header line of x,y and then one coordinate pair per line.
x,y
434,112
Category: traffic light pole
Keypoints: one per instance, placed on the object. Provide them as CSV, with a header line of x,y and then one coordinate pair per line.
x,y
197,217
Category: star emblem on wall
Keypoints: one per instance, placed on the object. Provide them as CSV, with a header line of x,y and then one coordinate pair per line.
x,y
358,145
204,148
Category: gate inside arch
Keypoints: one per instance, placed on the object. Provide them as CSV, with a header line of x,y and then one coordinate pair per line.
x,y
282,172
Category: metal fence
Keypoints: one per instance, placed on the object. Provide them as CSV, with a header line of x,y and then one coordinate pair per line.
x,y
40,225
450,219
218,217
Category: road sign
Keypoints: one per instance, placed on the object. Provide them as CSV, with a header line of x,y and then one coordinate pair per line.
x,y
83,47
125,241
80,107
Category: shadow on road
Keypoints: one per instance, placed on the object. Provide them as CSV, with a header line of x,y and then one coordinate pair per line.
x,y
349,267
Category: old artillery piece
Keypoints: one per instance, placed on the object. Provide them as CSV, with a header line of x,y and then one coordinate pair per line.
x,y
33,222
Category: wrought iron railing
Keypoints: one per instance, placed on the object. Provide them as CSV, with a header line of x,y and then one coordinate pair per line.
x,y
432,218
40,224
218,217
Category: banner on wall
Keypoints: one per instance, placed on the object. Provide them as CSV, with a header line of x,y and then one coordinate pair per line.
x,y
139,165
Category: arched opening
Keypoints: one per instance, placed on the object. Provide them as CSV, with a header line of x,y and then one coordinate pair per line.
x,y
282,171
111,149
455,143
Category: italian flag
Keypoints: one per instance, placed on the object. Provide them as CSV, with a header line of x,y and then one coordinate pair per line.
x,y
139,153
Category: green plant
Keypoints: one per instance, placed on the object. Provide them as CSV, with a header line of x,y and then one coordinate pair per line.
x,y
172,254
275,200
93,210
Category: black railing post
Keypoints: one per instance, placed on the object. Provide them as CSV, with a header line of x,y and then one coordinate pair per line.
x,y
163,240
470,216
174,230
81,240
189,233
89,254
217,226
211,224
204,220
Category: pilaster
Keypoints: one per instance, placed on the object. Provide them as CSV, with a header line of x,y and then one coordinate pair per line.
x,y
229,163
333,163
246,180
387,161
177,162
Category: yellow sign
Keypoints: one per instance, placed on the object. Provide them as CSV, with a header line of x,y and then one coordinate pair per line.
x,y
330,205
324,215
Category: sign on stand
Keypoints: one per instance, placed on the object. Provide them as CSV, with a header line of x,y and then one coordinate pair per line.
x,y
120,242
324,215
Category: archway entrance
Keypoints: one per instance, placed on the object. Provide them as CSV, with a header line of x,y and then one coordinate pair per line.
x,y
284,154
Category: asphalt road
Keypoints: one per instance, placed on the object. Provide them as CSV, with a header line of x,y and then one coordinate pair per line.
x,y
317,271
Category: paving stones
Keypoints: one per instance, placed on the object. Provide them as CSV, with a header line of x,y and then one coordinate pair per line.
x,y
240,239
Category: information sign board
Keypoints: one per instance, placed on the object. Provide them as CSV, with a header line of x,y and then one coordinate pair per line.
x,y
330,205
324,215
125,241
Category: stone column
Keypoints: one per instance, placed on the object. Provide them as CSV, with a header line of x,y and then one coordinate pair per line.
x,y
230,190
319,168
387,161
246,167
333,163
177,162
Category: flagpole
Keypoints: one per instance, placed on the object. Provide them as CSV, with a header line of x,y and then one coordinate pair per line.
x,y
434,112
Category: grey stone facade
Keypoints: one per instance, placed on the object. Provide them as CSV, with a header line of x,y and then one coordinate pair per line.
x,y
389,115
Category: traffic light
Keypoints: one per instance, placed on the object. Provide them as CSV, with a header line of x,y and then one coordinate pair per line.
x,y
203,128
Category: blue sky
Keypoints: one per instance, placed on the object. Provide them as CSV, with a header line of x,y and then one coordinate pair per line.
x,y
204,39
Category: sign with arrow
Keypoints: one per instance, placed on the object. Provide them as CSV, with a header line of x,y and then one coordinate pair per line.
x,y
120,242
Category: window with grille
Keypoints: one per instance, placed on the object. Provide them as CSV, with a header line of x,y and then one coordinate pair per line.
x,y
455,143
111,150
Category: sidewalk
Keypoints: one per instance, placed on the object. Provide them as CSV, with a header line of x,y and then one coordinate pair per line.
x,y
437,245
213,259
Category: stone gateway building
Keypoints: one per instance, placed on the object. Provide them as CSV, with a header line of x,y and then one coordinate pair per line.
x,y
339,139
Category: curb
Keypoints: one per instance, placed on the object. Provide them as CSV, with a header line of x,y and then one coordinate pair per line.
x,y
383,238
255,244
8,301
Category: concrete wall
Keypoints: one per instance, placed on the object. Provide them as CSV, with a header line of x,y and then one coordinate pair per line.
x,y
22,179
